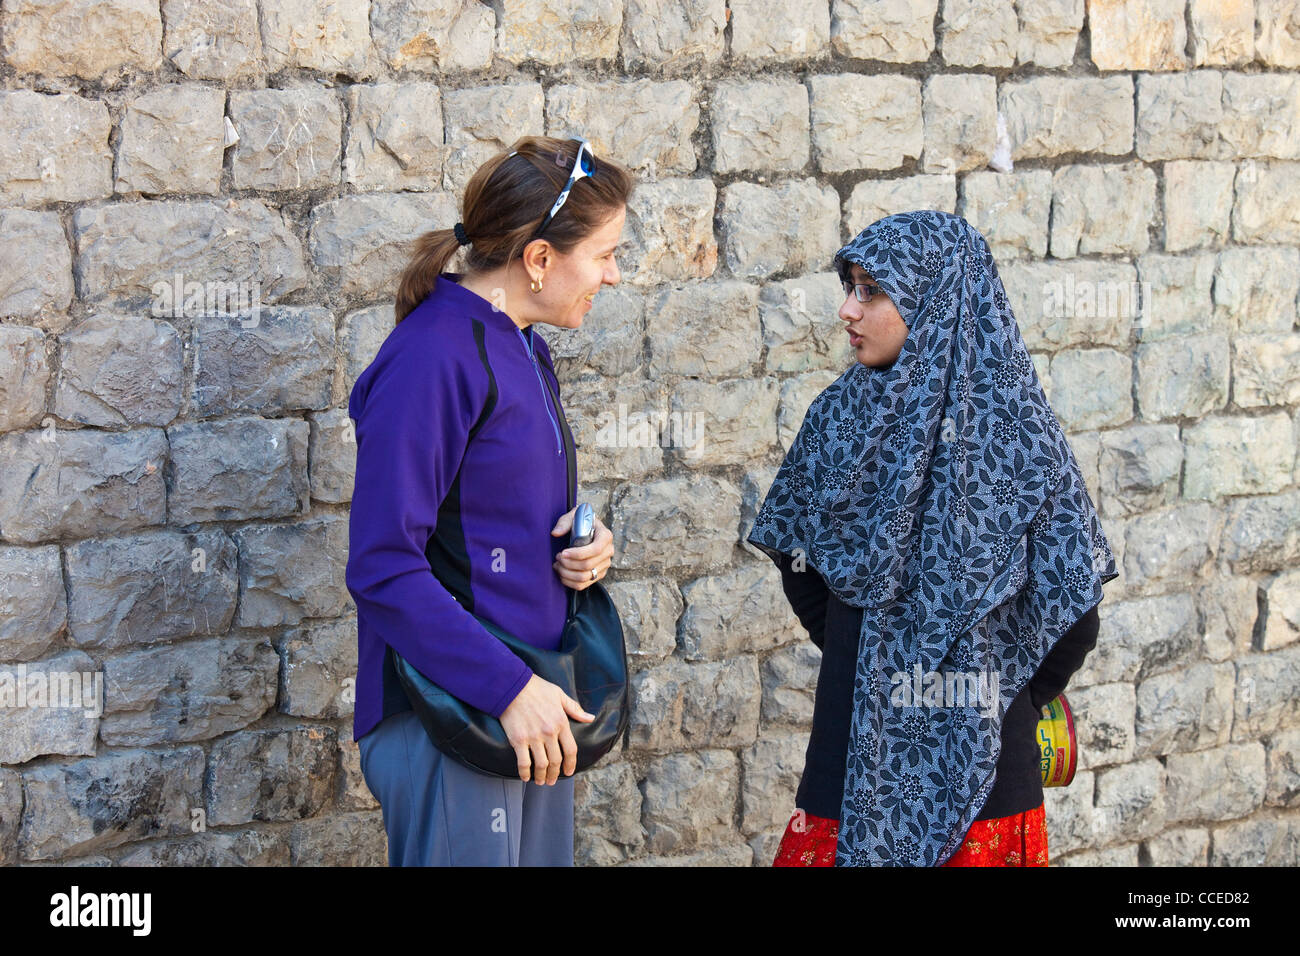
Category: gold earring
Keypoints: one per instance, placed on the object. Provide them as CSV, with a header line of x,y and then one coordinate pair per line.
x,y
535,285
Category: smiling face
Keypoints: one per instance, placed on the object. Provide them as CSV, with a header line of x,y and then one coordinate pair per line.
x,y
572,279
876,330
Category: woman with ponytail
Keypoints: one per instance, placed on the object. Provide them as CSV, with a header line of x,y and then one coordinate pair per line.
x,y
461,471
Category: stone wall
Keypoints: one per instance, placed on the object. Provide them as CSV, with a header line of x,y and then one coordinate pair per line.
x,y
174,483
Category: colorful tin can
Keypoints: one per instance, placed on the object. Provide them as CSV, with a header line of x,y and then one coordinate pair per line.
x,y
1058,748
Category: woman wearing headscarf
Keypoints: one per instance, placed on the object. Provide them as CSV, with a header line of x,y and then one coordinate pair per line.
x,y
933,531
461,506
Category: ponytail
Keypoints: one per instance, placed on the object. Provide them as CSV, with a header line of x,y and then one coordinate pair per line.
x,y
433,250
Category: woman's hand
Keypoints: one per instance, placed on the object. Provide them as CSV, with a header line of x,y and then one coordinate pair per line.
x,y
574,565
537,725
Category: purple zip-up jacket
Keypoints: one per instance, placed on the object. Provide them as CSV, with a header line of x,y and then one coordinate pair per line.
x,y
444,527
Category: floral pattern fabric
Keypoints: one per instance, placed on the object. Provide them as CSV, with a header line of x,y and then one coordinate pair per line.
x,y
940,495
1016,840
808,841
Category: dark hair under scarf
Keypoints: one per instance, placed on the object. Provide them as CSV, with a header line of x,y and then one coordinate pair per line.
x,y
941,496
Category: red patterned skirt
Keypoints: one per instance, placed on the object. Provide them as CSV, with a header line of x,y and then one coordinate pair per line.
x,y
1017,840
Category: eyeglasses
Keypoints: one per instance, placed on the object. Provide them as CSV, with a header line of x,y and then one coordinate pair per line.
x,y
584,164
862,291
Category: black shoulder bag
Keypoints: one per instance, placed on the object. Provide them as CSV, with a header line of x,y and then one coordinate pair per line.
x,y
590,666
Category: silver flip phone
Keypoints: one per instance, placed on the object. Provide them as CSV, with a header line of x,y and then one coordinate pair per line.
x,y
584,526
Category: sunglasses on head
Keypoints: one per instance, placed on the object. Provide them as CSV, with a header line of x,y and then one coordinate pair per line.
x,y
584,164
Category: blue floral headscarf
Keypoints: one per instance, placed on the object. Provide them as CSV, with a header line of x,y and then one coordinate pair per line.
x,y
939,495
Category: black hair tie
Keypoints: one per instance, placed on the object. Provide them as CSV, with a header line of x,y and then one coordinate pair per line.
x,y
461,237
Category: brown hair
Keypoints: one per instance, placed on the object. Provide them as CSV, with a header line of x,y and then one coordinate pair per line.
x,y
504,203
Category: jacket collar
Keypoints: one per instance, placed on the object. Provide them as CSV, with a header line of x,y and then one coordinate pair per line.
x,y
451,292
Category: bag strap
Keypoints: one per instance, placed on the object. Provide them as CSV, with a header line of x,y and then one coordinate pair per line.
x,y
571,465
570,455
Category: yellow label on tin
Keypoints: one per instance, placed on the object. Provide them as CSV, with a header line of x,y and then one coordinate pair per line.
x,y
1057,746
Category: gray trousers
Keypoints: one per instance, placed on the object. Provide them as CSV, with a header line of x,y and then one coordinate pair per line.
x,y
438,812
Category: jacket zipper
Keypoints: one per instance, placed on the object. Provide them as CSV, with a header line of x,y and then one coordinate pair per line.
x,y
546,400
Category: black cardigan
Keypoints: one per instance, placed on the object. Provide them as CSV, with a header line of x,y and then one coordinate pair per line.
x,y
834,627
